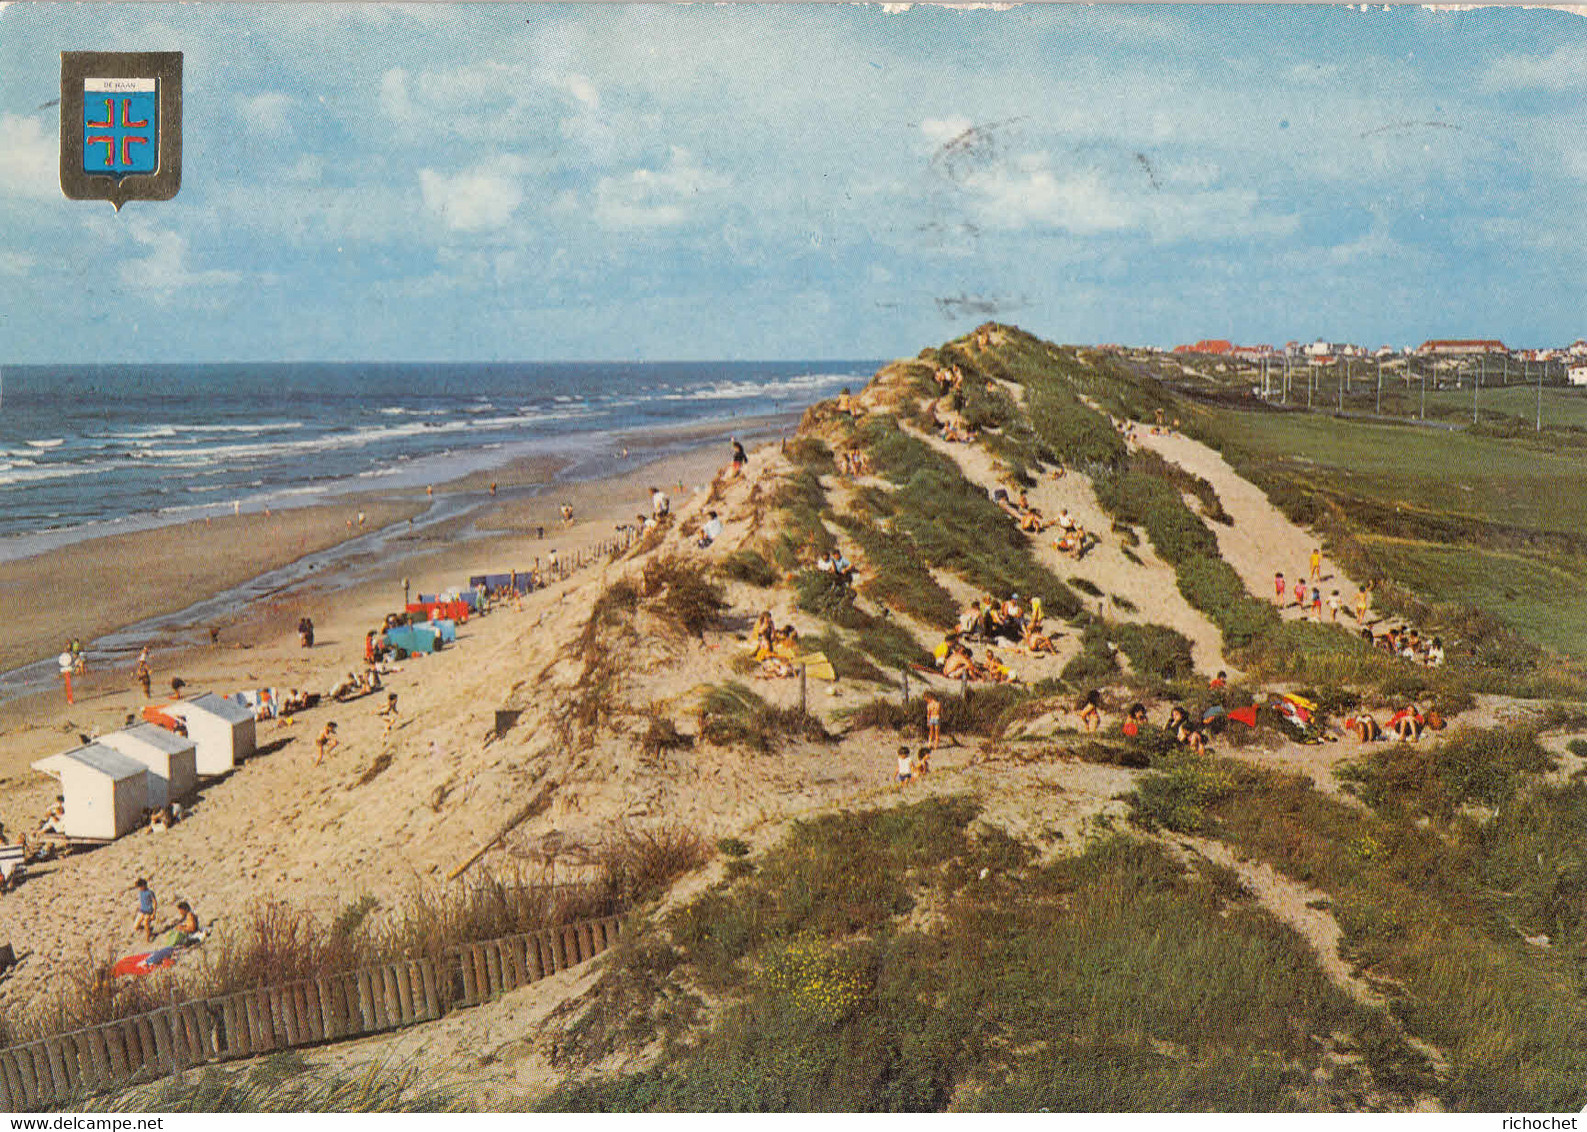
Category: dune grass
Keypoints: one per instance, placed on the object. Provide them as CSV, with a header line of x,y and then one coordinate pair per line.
x,y
283,1082
1109,980
1419,912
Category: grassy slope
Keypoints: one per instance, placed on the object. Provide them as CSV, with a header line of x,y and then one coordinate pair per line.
x,y
1114,980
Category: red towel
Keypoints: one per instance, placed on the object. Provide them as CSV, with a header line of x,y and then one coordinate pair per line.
x,y
1246,715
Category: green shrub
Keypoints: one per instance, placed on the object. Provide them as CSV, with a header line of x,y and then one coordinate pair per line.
x,y
1176,797
1155,651
896,577
830,598
1487,768
732,714
848,663
680,592
751,567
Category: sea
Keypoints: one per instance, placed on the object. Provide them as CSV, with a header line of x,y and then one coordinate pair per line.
x,y
95,450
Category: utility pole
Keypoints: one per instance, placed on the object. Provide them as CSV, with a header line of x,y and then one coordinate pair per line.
x,y
1379,409
1540,396
1424,395
1340,381
1311,381
1476,384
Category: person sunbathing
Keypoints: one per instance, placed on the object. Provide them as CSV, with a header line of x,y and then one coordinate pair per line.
x,y
187,922
1365,727
1406,724
995,670
347,688
959,664
1031,523
1037,642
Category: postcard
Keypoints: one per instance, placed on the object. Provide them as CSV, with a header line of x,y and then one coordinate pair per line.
x,y
867,558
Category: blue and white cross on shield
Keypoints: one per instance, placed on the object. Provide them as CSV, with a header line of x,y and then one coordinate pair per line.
x,y
121,126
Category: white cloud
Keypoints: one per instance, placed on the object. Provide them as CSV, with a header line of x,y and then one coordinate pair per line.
x,y
16,263
1562,70
268,113
477,199
31,165
165,270
1168,202
654,198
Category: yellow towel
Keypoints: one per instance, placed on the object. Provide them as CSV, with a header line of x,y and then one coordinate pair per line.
x,y
816,665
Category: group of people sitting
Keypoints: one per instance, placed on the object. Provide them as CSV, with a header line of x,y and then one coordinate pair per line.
x,y
158,819
1011,621
836,563
1406,725
354,685
1408,644
954,660
774,647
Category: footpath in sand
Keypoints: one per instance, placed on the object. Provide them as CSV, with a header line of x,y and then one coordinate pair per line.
x,y
1262,540
1149,585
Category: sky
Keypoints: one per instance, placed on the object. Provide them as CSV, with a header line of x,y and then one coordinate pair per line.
x,y
560,182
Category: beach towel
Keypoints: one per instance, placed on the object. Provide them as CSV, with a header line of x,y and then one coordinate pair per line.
x,y
1245,715
161,718
817,666
145,962
1299,701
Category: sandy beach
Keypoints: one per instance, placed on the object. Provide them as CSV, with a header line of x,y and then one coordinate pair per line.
x,y
111,582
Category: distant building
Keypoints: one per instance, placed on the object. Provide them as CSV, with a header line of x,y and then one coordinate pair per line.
x,y
1578,375
1461,346
1207,346
1578,348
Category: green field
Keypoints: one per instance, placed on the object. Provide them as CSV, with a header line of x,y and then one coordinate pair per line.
x,y
1544,601
1518,483
1561,407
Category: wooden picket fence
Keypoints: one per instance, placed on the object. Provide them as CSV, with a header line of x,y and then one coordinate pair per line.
x,y
367,1000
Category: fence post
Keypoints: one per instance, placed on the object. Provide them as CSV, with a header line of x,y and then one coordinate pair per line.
x,y
905,674
802,699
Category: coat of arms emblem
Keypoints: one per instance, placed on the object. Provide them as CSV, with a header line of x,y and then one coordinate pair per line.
x,y
121,125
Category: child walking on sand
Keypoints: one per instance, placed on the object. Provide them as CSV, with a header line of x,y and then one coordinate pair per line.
x,y
325,743
906,768
933,719
922,762
389,712
1316,563
1278,588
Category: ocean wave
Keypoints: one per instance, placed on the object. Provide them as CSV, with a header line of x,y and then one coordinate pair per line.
x,y
54,442
782,389
47,472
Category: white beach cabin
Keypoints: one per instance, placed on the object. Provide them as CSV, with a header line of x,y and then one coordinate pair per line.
x,y
172,760
105,791
221,728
